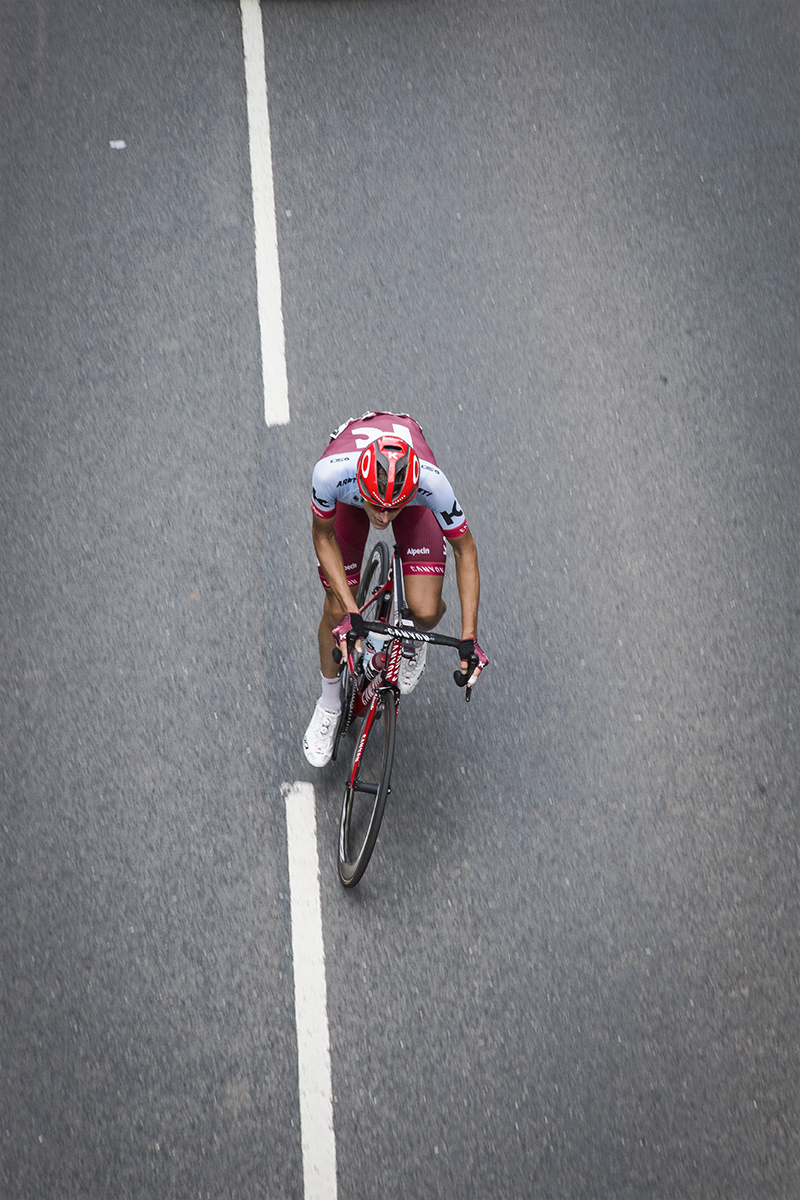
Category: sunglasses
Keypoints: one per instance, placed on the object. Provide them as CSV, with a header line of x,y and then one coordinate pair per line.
x,y
387,508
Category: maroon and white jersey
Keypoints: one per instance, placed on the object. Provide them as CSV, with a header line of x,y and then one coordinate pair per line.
x,y
334,479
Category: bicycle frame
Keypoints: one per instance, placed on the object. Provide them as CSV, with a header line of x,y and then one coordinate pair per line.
x,y
388,675
399,628
368,780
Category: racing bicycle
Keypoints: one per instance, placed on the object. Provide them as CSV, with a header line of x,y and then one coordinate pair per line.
x,y
370,703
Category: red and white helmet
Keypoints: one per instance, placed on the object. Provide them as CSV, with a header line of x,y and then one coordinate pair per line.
x,y
388,472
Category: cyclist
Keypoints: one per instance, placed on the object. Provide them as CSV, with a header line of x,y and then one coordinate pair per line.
x,y
378,470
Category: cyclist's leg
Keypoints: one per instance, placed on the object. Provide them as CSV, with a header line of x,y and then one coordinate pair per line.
x,y
351,527
424,598
421,545
320,738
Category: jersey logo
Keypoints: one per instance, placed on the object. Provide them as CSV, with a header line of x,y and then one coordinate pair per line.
x,y
370,433
321,503
455,511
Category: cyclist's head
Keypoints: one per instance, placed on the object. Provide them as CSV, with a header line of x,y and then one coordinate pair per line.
x,y
388,472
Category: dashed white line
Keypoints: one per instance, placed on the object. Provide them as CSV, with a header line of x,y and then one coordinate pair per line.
x,y
310,998
268,279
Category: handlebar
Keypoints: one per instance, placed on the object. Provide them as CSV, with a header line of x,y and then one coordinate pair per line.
x,y
407,633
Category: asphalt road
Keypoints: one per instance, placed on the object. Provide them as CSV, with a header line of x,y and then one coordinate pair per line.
x,y
564,237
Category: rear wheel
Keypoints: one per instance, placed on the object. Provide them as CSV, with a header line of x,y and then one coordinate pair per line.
x,y
367,787
374,576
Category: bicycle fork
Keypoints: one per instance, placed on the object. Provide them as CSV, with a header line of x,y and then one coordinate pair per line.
x,y
373,701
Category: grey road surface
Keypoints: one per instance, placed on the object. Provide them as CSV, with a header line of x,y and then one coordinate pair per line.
x,y
565,237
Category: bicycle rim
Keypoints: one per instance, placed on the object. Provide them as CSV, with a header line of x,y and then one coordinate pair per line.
x,y
367,787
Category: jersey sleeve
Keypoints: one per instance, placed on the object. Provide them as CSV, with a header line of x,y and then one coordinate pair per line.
x,y
323,490
436,492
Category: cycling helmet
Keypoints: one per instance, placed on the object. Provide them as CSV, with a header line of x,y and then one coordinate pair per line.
x,y
388,472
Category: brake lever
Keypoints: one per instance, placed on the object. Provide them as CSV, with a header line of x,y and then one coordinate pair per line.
x,y
338,657
462,680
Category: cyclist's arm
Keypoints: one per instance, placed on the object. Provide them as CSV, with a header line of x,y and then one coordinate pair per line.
x,y
330,559
469,591
469,582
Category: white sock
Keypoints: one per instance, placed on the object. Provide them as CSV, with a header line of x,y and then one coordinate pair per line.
x,y
331,694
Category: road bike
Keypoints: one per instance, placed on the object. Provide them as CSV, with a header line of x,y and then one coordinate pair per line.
x,y
370,703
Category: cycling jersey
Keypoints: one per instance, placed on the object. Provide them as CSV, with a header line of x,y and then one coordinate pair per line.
x,y
334,479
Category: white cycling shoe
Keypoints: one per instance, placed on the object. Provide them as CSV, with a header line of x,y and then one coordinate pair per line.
x,y
412,668
320,736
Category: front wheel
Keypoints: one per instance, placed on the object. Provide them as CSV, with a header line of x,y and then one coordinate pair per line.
x,y
367,787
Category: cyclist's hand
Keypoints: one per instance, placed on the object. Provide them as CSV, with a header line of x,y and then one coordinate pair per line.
x,y
469,649
352,622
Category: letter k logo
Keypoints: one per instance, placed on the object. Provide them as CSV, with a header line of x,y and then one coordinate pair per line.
x,y
455,511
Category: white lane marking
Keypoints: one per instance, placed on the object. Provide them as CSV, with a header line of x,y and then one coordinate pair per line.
x,y
310,1000
268,277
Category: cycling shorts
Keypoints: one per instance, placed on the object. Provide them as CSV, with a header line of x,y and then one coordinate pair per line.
x,y
415,529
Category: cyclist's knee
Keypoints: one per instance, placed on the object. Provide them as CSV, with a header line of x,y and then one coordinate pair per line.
x,y
332,612
428,613
424,598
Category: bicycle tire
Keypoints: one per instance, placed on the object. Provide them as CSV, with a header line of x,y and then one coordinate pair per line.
x,y
367,787
374,576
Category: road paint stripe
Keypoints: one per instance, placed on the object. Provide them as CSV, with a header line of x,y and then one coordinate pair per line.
x,y
268,277
310,1000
